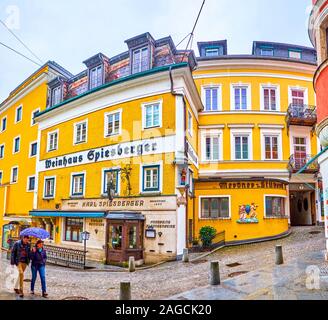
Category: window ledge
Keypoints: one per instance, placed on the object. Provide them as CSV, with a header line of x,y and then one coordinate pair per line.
x,y
215,219
276,218
147,193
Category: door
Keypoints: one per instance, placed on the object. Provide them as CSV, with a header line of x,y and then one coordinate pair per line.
x,y
299,152
115,242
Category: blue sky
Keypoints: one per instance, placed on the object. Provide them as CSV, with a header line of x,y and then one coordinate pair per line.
x,y
71,31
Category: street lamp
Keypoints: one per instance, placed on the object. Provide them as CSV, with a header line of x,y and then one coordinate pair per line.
x,y
85,237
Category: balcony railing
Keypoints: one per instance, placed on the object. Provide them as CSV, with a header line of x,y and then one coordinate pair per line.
x,y
301,115
296,163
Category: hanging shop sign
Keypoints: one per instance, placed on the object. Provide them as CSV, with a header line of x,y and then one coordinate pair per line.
x,y
119,151
253,185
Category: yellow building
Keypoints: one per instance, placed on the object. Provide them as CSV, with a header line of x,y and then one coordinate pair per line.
x,y
122,143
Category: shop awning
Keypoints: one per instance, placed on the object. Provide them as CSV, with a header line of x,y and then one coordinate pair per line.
x,y
68,214
125,216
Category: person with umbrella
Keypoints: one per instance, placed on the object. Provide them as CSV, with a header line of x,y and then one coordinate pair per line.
x,y
38,257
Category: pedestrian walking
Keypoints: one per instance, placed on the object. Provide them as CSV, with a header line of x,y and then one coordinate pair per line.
x,y
20,257
39,259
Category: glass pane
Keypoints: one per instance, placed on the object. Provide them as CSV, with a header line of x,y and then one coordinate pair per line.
x,y
208,100
214,99
224,208
215,148
115,241
208,148
205,208
214,208
133,237
238,148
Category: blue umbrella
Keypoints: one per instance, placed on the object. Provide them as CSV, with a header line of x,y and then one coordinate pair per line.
x,y
36,233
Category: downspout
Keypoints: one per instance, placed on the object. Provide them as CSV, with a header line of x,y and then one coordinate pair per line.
x,y
185,143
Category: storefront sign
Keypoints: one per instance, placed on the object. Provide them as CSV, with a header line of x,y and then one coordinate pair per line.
x,y
253,185
162,224
114,152
121,204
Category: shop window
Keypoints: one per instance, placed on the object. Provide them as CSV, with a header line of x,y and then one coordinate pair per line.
x,y
151,178
115,237
80,132
73,229
49,188
78,185
132,237
140,60
274,207
215,208
111,174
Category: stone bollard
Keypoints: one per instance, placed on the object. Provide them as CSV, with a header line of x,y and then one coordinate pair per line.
x,y
185,257
132,264
125,291
215,274
279,255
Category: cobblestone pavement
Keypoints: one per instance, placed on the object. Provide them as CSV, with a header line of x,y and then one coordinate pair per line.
x,y
175,277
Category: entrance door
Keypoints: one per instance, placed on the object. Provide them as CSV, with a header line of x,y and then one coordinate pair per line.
x,y
300,152
124,240
301,208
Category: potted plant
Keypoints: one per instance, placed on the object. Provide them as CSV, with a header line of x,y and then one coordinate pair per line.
x,y
207,235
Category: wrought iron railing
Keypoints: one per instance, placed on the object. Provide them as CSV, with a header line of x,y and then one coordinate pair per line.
x,y
296,163
65,257
301,112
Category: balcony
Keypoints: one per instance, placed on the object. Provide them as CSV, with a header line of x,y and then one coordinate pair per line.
x,y
296,163
301,115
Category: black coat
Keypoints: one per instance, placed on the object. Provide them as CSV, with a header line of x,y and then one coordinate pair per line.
x,y
16,253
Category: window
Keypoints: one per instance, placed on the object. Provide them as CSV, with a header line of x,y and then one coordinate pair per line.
x,y
212,52
78,185
33,149
300,152
215,208
241,147
113,123
240,98
16,145
295,54
271,148
73,229
140,60
2,151
52,141
34,113
19,113
80,132
4,124
108,175
31,183
1,177
151,178
190,124
274,207
49,188
270,99
298,97
14,175
212,96
212,148
56,96
152,115
267,52
96,77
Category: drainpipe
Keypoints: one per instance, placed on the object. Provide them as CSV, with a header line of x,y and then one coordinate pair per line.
x,y
185,142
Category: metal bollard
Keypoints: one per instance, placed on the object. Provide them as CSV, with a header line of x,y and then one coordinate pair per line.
x,y
132,264
279,255
185,257
125,291
215,274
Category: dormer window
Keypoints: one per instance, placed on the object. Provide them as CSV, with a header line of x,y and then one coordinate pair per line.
x,y
56,96
295,54
140,60
212,52
267,52
96,77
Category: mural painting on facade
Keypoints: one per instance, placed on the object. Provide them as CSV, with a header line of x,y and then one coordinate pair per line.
x,y
248,214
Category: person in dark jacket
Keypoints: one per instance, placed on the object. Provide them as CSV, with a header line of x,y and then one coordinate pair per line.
x,y
20,257
39,260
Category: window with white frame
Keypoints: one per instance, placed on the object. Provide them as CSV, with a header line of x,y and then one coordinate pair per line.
x,y
240,97
212,52
298,97
212,97
78,183
49,188
110,175
241,146
212,148
56,96
19,114
33,149
3,124
16,145
274,207
140,60
33,116
151,178
271,145
190,123
95,77
215,208
2,151
14,175
113,123
270,98
295,54
152,115
52,141
80,132
31,183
